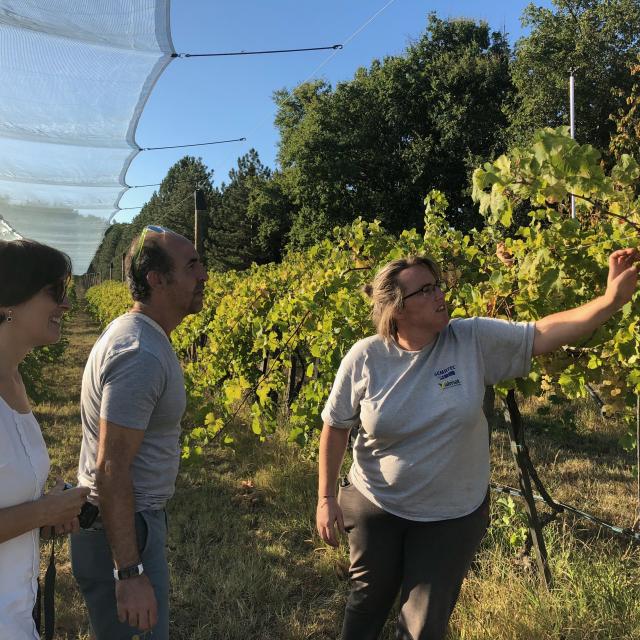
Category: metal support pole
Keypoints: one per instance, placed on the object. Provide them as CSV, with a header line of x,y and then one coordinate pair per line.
x,y
572,127
519,451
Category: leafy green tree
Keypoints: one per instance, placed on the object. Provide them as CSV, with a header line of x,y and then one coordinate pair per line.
x,y
107,252
271,211
375,145
626,138
598,39
172,206
251,219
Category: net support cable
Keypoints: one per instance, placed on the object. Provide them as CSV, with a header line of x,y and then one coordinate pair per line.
x,y
336,48
255,53
196,185
196,144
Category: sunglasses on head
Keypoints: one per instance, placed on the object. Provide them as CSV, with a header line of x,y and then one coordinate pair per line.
x,y
143,235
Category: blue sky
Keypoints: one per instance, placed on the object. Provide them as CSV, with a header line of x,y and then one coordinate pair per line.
x,y
202,99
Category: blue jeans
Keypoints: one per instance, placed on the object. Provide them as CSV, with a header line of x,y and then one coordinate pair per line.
x,y
92,567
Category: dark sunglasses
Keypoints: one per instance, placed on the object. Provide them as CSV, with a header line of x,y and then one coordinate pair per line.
x,y
58,290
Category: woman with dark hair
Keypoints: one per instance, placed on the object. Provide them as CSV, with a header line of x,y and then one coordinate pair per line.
x,y
33,280
415,504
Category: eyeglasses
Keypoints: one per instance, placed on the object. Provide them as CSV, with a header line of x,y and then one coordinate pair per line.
x,y
143,235
58,290
428,290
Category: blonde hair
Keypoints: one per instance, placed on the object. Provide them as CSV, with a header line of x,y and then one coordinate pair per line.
x,y
386,293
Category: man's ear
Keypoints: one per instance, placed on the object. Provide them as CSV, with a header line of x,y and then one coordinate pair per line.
x,y
154,279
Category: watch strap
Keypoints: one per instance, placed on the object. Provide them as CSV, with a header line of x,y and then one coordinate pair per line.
x,y
128,572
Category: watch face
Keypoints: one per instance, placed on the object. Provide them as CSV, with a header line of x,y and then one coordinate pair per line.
x,y
128,572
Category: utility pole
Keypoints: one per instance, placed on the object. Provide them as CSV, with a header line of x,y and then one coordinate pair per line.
x,y
200,203
572,125
111,270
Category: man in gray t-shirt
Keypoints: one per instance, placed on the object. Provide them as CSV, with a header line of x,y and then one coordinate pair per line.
x,y
133,379
132,401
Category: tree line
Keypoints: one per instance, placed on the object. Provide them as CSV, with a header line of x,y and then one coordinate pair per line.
x,y
374,146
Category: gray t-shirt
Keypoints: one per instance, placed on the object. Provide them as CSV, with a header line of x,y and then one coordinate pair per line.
x,y
133,379
422,451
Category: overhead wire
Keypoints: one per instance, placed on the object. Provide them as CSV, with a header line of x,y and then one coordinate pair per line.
x,y
335,47
336,50
346,42
253,53
157,184
197,144
173,208
324,63
196,185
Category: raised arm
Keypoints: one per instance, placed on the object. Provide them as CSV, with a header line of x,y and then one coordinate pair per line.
x,y
566,327
136,601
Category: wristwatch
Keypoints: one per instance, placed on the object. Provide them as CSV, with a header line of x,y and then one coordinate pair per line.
x,y
128,572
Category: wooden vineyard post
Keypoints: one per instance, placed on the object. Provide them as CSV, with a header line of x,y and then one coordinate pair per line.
x,y
520,456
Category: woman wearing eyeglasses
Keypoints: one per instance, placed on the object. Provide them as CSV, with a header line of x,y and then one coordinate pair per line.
x,y
415,504
33,280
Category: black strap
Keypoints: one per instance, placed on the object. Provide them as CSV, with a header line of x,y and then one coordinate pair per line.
x,y
46,596
37,608
49,595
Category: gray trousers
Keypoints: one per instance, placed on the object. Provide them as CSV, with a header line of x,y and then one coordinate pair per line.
x,y
425,561
92,567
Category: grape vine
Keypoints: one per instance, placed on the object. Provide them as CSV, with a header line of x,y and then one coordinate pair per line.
x,y
269,339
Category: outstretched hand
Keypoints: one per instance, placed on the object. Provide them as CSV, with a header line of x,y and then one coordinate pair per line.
x,y
623,276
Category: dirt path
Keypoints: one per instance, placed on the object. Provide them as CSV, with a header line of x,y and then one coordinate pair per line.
x,y
59,418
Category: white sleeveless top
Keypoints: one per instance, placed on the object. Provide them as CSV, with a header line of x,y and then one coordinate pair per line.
x,y
24,467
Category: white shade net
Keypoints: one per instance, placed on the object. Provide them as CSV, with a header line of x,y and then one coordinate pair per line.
x,y
7,233
74,77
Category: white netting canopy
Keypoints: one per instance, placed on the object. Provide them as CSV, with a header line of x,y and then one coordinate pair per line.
x,y
7,232
74,77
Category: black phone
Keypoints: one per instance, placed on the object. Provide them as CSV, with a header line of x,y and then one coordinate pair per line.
x,y
88,513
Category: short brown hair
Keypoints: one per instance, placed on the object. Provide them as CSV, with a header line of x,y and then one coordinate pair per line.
x,y
386,293
26,267
143,259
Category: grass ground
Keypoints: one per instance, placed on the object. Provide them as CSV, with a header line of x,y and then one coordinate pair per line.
x,y
246,563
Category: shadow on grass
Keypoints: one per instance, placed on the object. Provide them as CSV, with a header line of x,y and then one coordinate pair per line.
x,y
56,416
565,435
244,562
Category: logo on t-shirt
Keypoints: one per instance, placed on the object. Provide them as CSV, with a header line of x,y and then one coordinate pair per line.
x,y
447,377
